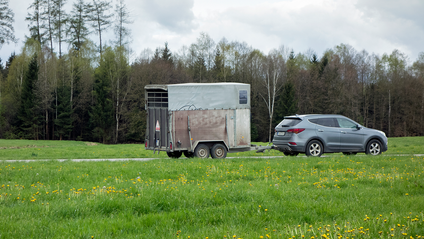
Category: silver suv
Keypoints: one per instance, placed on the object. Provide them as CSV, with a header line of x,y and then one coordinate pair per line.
x,y
318,134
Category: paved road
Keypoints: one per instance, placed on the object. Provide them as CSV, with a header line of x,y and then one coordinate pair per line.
x,y
148,159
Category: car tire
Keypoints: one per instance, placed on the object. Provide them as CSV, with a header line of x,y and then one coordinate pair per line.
x,y
219,151
291,153
188,154
349,153
201,151
373,147
314,149
175,154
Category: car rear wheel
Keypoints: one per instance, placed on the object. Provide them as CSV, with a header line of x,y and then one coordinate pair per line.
x,y
219,151
314,148
201,151
188,154
175,154
374,147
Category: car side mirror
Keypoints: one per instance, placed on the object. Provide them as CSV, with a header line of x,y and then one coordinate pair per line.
x,y
358,127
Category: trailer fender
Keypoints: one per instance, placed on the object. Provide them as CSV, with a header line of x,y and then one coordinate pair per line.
x,y
209,143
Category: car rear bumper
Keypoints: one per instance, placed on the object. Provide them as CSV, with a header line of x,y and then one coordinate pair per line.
x,y
285,147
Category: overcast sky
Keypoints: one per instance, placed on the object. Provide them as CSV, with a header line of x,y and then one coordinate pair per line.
x,y
378,26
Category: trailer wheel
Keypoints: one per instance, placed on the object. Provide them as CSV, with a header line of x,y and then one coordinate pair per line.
x,y
175,154
188,154
219,151
201,151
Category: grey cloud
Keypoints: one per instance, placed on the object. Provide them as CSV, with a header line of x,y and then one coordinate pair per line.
x,y
376,27
175,15
401,22
407,9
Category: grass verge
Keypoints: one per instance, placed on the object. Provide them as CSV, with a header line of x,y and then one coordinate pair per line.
x,y
291,197
45,149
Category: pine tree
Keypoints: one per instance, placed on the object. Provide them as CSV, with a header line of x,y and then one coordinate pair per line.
x,y
287,103
122,17
78,31
27,119
101,115
166,54
99,18
218,66
200,69
63,122
156,56
6,20
36,22
59,21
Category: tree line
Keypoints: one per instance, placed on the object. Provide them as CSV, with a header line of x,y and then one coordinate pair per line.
x,y
93,92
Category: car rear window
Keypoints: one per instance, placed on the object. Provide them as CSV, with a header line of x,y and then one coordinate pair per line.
x,y
289,122
328,122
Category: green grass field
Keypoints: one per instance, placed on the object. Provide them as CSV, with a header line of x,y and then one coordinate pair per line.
x,y
245,197
44,149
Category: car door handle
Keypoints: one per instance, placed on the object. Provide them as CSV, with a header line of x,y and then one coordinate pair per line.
x,y
343,132
320,130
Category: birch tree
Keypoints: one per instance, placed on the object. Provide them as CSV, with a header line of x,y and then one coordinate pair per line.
x,y
273,68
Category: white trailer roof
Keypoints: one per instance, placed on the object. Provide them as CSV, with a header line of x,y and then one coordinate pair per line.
x,y
202,96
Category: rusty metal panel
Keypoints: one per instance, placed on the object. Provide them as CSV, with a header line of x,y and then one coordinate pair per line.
x,y
210,125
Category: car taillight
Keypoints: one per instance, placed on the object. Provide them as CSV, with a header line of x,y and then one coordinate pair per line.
x,y
145,144
295,131
170,146
292,143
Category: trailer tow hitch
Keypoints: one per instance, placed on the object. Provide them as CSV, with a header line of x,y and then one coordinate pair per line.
x,y
261,149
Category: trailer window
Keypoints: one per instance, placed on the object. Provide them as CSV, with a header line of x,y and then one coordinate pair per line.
x,y
157,99
243,97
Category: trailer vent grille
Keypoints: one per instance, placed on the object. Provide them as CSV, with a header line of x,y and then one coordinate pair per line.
x,y
157,99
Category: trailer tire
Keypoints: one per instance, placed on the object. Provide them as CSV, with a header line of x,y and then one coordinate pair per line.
x,y
219,151
188,154
201,151
175,154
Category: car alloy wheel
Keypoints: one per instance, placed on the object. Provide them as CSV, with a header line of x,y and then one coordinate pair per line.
x,y
314,149
374,147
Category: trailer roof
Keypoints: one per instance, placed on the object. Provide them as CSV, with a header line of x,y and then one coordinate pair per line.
x,y
197,96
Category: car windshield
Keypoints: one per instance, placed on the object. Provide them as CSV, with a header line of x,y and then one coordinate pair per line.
x,y
289,122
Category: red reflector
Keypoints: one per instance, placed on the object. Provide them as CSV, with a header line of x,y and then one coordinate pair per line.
x,y
170,146
296,131
292,143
